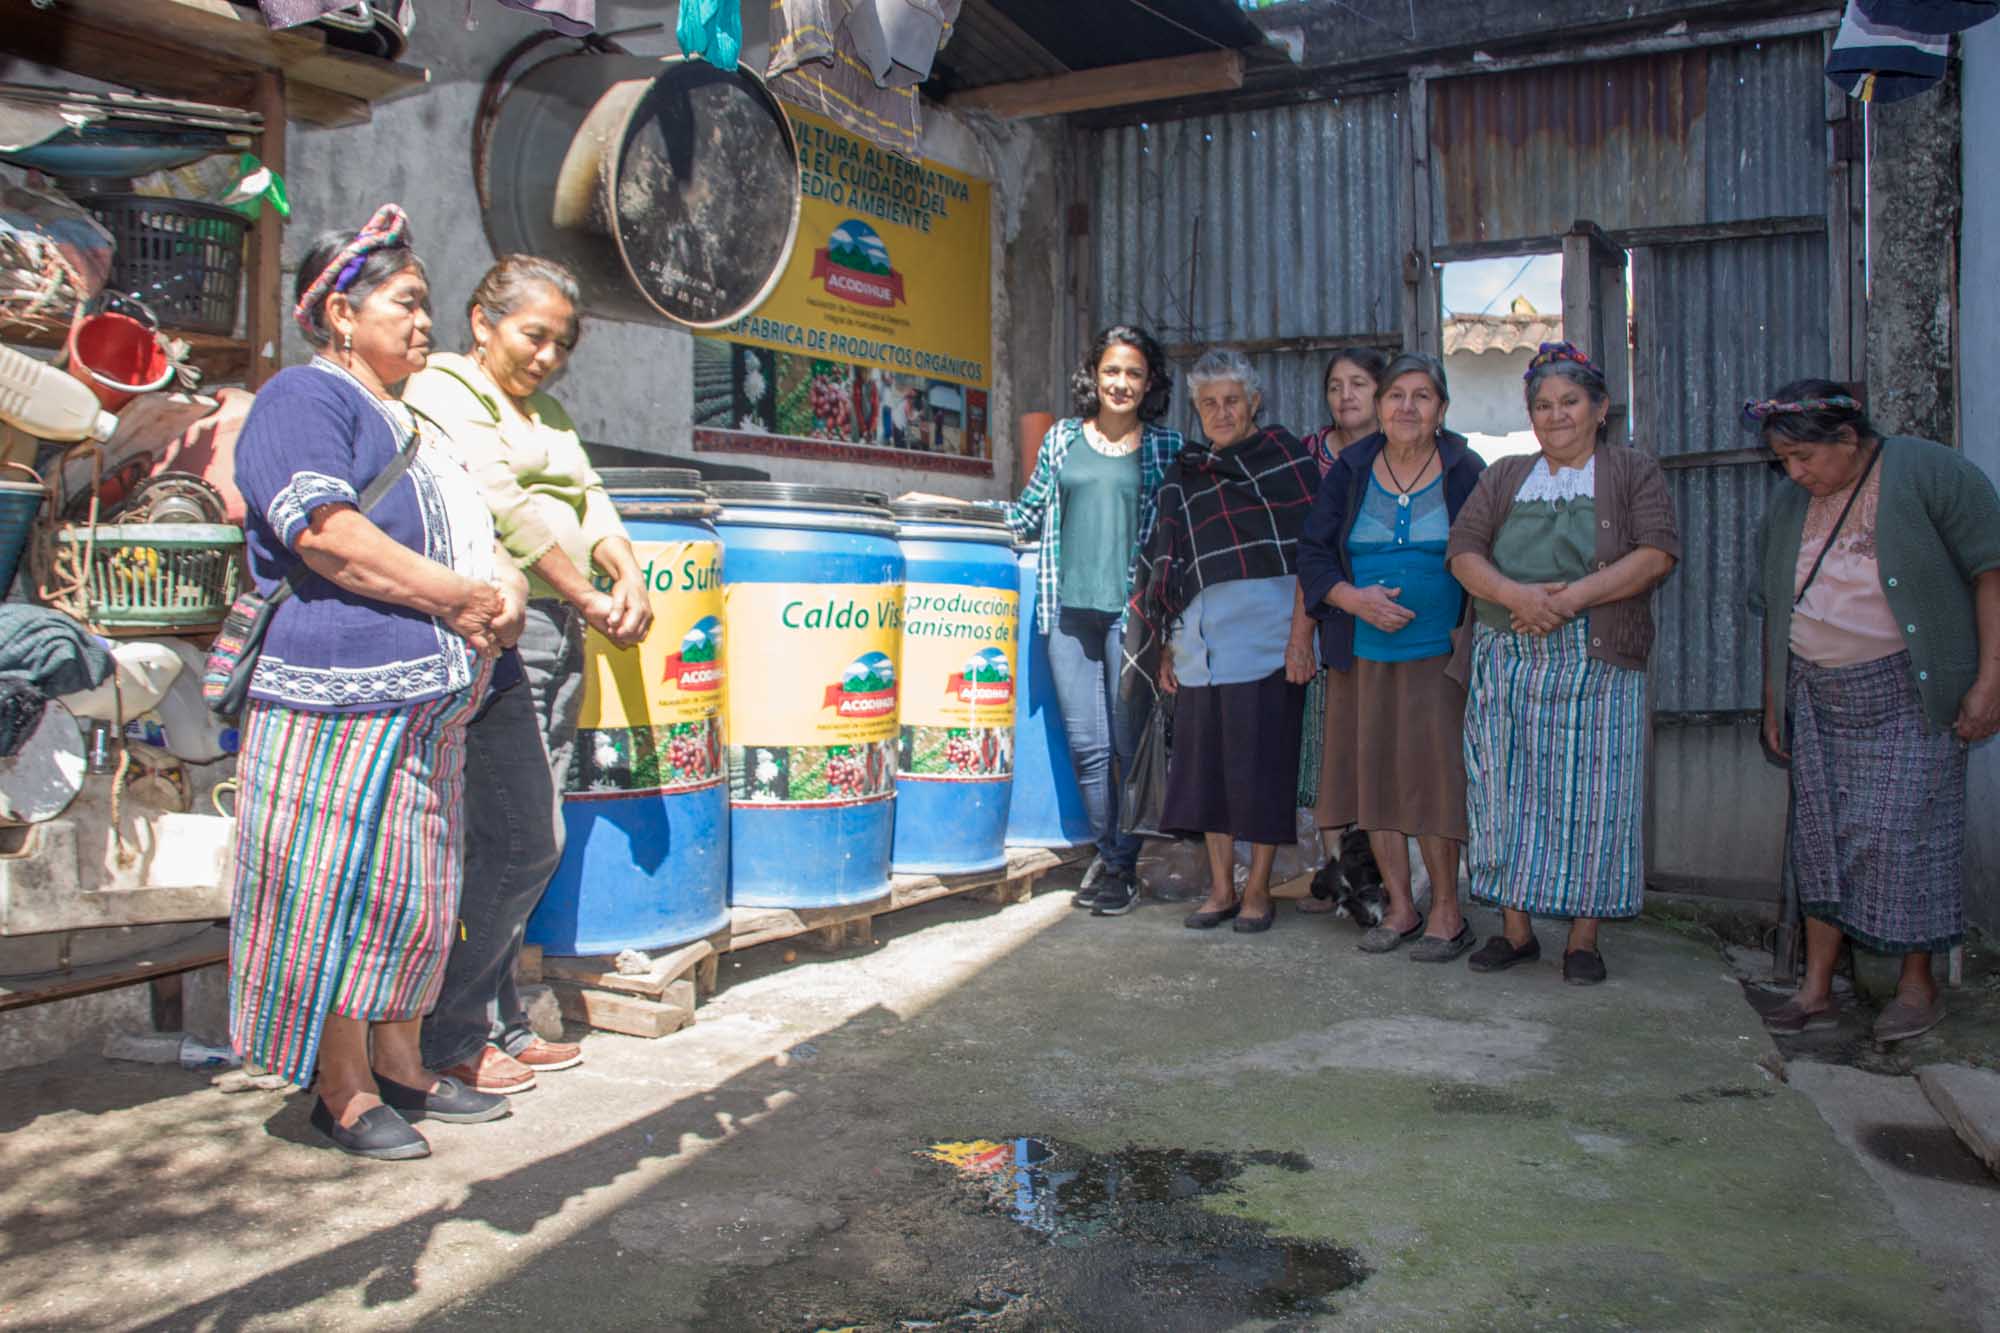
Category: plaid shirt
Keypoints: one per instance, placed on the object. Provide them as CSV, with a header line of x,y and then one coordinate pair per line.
x,y
1038,513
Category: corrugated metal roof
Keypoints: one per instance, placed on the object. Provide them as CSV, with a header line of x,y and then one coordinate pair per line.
x,y
1005,41
1711,135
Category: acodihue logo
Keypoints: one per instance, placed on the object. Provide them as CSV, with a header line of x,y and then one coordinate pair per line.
x,y
697,667
855,266
984,680
867,689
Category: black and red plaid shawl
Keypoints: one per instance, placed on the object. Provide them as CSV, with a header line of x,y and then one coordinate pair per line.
x,y
1224,514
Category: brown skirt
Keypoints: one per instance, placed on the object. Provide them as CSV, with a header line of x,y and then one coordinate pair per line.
x,y
1394,754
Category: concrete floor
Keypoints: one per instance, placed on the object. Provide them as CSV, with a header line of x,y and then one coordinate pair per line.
x,y
1492,1152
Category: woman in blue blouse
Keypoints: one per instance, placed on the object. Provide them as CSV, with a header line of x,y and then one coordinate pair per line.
x,y
1091,503
1371,567
348,843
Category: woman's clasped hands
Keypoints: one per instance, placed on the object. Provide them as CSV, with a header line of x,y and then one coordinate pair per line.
x,y
1540,608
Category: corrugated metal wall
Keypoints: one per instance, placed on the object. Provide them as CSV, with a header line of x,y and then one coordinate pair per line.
x,y
1256,226
1719,322
1715,135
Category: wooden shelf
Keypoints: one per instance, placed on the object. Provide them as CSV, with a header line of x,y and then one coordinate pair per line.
x,y
204,949
205,51
222,359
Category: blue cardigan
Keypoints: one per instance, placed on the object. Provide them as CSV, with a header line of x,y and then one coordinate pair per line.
x,y
1323,559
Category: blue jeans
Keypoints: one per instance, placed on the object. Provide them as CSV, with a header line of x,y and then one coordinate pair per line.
x,y
1084,658
517,753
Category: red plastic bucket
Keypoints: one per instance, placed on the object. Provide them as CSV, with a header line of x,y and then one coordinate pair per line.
x,y
118,357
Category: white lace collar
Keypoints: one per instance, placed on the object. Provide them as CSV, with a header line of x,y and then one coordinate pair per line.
x,y
1570,483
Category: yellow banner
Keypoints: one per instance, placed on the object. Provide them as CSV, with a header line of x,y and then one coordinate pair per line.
x,y
958,655
892,268
813,663
676,673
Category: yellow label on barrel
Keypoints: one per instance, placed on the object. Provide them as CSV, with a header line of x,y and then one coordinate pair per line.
x,y
813,664
676,673
958,655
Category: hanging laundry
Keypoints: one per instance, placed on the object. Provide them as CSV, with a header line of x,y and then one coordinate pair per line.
x,y
571,18
711,30
1878,62
1931,16
816,62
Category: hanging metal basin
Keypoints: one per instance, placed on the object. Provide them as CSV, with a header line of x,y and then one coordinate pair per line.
x,y
669,186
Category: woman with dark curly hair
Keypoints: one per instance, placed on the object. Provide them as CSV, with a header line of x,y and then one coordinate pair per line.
x,y
1091,503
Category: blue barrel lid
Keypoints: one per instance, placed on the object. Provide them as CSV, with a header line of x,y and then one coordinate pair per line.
x,y
657,492
800,505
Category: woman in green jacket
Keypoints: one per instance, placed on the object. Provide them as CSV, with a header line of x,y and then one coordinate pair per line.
x,y
1880,592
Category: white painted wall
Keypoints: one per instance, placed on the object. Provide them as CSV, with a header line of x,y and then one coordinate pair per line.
x,y
630,384
1486,391
1979,394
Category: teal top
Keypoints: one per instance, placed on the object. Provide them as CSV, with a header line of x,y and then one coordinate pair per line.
x,y
1100,523
1398,541
1937,527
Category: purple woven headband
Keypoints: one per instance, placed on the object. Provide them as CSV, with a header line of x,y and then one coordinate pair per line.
x,y
383,231
1550,353
1757,411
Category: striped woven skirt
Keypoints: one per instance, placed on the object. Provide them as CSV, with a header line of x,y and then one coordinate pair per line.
x,y
348,854
1555,749
1878,839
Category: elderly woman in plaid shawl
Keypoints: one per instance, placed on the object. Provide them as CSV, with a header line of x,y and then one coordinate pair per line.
x,y
1216,621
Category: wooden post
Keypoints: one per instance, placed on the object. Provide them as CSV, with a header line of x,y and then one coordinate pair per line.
x,y
263,278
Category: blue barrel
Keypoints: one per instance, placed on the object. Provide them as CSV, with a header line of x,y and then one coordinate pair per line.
x,y
961,624
813,586
646,798
1047,809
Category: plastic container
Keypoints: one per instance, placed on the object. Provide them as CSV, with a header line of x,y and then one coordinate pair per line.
x,y
48,403
813,582
149,577
168,1048
182,722
646,799
118,357
1047,809
184,259
961,627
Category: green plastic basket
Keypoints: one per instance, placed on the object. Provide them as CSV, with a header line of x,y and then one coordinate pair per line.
x,y
155,576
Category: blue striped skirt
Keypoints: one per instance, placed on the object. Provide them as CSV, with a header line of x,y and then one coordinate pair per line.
x,y
1555,767
348,860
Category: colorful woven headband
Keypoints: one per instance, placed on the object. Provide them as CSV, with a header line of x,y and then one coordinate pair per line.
x,y
1756,411
384,231
1550,353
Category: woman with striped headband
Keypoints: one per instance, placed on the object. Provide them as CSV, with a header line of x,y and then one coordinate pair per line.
x,y
1561,551
348,844
1880,592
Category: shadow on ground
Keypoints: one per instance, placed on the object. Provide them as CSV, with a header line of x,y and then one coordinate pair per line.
x,y
1375,1144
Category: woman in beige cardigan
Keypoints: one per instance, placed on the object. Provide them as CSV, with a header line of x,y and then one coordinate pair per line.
x,y
554,518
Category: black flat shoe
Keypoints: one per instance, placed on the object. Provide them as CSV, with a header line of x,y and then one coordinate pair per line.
x,y
450,1101
1210,920
377,1132
1254,925
1499,953
1583,967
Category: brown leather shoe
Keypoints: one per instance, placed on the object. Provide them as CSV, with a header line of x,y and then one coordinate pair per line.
x,y
493,1070
545,1056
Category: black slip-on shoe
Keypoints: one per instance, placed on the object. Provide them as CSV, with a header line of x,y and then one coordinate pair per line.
x,y
378,1132
450,1101
1498,954
1256,925
1210,920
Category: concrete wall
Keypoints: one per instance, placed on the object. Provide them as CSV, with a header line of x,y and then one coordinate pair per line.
x,y
1486,391
630,384
1979,392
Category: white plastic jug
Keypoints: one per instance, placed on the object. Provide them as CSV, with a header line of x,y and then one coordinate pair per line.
x,y
46,402
182,722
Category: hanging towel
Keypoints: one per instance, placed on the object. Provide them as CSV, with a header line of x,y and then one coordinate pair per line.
x,y
571,18
1931,16
1876,62
711,30
49,650
815,63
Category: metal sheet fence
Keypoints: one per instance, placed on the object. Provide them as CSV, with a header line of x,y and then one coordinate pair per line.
x,y
1282,223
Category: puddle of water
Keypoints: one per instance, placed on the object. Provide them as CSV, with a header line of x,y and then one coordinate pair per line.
x,y
1934,1152
1073,1197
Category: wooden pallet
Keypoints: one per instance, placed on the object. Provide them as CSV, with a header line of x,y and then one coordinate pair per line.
x,y
845,927
660,998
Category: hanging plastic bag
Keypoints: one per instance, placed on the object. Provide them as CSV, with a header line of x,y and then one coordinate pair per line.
x,y
1144,800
